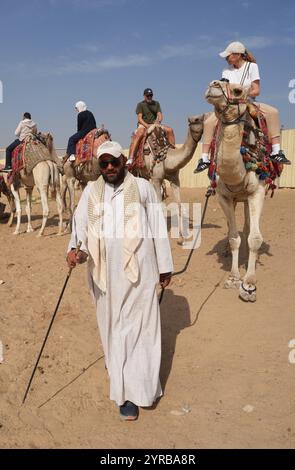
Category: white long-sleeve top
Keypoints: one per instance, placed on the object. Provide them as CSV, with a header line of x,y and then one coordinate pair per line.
x,y
25,128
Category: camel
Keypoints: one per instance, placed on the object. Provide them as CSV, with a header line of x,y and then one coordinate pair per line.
x,y
235,184
176,160
6,191
83,173
44,175
169,168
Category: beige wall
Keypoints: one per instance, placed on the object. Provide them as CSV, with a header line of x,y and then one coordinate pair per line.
x,y
287,179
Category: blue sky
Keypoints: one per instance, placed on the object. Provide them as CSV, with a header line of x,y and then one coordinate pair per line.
x,y
105,52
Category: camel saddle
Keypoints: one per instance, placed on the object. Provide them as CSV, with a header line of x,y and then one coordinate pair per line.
x,y
255,148
86,148
30,152
154,143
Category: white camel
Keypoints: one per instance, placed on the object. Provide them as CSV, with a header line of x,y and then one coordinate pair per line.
x,y
44,176
235,184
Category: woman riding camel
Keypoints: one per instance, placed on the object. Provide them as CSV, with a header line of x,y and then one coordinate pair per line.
x,y
242,69
85,123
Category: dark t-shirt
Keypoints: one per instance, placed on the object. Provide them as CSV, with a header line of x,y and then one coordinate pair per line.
x,y
149,111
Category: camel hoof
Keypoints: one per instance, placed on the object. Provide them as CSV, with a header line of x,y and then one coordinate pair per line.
x,y
247,292
16,232
232,283
39,235
30,230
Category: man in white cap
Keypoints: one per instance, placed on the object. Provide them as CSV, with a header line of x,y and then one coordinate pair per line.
x,y
85,123
124,238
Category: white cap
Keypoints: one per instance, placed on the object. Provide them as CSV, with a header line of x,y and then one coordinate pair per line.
x,y
233,48
110,148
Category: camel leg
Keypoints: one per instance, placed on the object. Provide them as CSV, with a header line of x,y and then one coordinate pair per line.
x,y
12,210
175,186
228,208
29,208
63,191
248,286
59,203
18,209
45,210
71,187
157,185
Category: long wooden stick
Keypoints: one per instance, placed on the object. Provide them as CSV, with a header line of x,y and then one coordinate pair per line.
x,y
50,326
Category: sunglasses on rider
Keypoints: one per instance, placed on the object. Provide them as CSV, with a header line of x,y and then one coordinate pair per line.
x,y
115,162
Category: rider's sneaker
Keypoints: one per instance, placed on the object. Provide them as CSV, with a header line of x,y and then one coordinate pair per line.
x,y
280,158
72,157
6,169
201,166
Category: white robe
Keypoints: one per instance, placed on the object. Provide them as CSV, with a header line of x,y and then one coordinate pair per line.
x,y
128,314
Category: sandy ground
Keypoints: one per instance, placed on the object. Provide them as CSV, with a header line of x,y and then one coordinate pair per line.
x,y
225,370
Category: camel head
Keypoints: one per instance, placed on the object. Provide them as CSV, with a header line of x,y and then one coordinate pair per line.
x,y
229,99
49,141
196,125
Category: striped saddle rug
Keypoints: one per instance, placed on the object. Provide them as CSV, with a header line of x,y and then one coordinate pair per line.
x,y
87,147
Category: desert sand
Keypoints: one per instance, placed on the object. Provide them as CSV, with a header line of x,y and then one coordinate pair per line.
x,y
227,378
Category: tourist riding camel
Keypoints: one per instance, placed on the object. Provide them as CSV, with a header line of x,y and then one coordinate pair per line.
x,y
85,123
148,112
25,128
242,69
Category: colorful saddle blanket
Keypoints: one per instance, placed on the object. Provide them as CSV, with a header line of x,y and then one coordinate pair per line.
x,y
154,142
18,158
86,148
255,149
33,150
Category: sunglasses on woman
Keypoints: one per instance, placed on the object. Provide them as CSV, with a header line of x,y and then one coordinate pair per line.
x,y
115,162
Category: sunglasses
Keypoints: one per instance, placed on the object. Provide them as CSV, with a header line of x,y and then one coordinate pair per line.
x,y
115,162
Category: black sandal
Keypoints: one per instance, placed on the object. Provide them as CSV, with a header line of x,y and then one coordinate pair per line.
x,y
201,166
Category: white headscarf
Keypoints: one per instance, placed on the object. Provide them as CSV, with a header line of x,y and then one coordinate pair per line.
x,y
80,106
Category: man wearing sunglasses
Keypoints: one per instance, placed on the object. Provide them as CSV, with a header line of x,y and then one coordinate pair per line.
x,y
124,238
148,112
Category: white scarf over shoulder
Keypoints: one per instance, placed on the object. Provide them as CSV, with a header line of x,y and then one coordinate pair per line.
x,y
132,239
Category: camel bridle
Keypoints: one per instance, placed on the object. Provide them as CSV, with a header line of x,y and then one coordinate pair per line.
x,y
230,100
